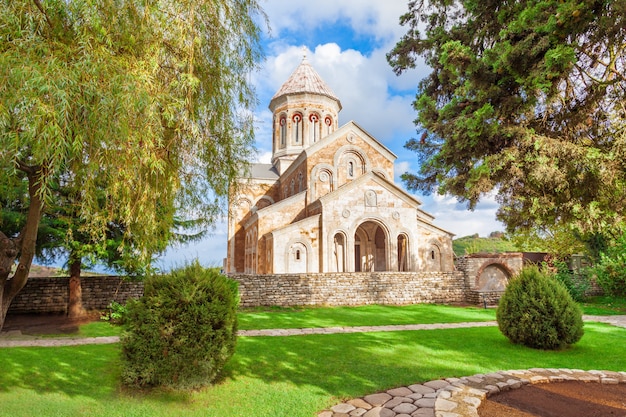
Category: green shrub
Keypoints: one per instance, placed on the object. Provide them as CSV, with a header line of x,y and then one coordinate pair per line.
x,y
182,332
115,314
610,271
577,283
537,311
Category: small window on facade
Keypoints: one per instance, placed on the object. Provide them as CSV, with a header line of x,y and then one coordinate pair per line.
x,y
315,121
328,121
432,254
283,131
350,169
297,120
298,255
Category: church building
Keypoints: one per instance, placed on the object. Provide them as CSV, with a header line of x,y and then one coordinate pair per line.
x,y
328,201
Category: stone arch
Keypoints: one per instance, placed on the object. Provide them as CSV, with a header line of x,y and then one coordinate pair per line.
x,y
433,260
298,128
322,181
329,125
339,251
371,246
315,127
380,173
404,260
264,201
282,130
350,162
492,276
298,257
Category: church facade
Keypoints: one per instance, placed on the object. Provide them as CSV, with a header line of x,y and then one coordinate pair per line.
x,y
328,201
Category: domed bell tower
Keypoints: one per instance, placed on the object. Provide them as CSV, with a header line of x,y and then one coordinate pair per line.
x,y
305,110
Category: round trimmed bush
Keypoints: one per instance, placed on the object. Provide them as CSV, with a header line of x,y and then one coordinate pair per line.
x,y
537,311
182,332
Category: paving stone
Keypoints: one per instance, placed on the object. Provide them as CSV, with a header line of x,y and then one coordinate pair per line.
x,y
425,402
360,403
325,414
424,412
437,384
357,412
405,408
343,408
420,389
400,392
445,405
415,396
444,394
379,412
474,401
395,401
377,399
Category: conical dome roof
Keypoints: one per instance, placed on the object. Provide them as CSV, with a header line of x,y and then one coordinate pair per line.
x,y
305,79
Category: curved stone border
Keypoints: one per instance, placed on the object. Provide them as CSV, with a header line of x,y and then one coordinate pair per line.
x,y
459,397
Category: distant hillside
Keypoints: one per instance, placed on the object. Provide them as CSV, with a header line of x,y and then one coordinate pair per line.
x,y
495,243
40,271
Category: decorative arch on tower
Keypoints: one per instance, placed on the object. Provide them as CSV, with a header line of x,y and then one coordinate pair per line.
x,y
315,127
297,124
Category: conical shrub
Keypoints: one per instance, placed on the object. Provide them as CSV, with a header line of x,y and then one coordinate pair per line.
x,y
537,311
182,332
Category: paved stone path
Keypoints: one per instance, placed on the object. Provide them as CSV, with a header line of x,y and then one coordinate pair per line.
x,y
459,397
450,397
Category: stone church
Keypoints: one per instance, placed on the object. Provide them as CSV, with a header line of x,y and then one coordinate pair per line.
x,y
328,201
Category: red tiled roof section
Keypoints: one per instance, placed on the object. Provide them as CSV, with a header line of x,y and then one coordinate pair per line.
x,y
305,79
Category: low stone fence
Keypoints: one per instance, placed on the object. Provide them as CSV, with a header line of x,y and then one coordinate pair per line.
x,y
51,295
484,298
355,288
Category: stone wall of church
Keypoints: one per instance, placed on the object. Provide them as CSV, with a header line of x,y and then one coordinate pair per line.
x,y
397,288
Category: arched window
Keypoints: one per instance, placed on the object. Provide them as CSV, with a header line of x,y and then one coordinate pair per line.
x,y
283,131
298,255
328,121
403,259
315,127
350,169
297,131
300,180
292,187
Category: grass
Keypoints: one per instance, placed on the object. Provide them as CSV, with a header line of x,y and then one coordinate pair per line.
x,y
604,306
290,376
372,315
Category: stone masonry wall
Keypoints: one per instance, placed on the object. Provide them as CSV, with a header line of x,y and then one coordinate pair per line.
x,y
396,288
51,295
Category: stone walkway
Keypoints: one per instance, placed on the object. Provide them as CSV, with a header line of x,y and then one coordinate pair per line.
x,y
450,397
459,397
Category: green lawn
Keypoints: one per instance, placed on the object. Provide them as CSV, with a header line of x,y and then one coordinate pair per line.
x,y
290,376
372,315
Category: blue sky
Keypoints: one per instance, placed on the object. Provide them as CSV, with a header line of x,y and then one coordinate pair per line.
x,y
346,41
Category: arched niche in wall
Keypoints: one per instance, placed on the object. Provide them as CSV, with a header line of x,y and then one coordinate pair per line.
x,y
371,247
350,162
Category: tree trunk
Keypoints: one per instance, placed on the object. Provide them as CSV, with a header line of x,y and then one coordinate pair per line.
x,y
75,307
24,245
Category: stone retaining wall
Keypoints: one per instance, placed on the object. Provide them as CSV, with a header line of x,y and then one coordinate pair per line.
x,y
351,288
51,295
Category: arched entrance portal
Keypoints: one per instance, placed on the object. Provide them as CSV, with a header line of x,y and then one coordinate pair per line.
x,y
370,248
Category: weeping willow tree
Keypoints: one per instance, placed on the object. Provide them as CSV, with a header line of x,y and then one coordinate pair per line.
x,y
526,99
142,108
